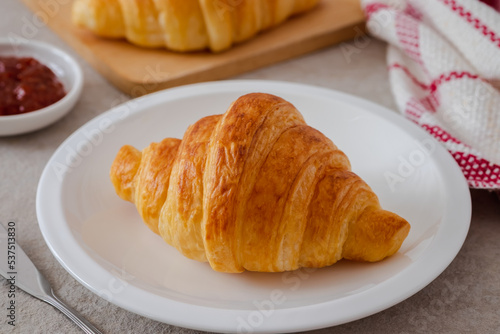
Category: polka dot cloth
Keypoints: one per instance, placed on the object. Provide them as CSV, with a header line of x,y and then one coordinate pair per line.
x,y
480,173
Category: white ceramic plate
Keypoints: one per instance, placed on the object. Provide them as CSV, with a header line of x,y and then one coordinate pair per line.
x,y
102,242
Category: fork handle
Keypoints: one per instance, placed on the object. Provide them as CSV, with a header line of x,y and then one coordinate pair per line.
x,y
83,323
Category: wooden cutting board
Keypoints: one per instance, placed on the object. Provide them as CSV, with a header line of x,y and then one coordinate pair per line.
x,y
138,71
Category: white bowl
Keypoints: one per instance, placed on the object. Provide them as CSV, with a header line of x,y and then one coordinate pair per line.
x,y
64,67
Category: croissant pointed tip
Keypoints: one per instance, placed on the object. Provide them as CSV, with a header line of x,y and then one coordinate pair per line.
x,y
123,171
376,235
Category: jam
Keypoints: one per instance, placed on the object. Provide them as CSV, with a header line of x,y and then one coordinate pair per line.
x,y
27,85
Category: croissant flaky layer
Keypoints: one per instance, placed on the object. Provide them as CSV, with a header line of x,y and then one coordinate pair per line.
x,y
184,25
258,189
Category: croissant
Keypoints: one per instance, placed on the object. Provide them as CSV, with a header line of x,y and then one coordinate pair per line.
x,y
184,25
258,189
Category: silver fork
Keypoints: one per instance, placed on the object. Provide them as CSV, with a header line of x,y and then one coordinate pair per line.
x,y
18,269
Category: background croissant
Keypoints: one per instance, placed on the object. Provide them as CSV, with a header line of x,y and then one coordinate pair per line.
x,y
184,25
257,189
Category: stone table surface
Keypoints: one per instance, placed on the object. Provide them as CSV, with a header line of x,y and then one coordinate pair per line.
x,y
465,298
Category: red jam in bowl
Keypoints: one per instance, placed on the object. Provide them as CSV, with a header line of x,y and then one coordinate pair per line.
x,y
27,85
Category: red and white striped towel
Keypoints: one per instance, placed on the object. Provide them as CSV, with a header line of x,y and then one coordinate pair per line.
x,y
444,69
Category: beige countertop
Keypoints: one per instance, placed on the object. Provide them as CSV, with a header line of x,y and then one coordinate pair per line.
x,y
465,298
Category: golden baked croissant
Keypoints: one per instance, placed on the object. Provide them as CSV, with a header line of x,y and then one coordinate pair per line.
x,y
257,189
184,25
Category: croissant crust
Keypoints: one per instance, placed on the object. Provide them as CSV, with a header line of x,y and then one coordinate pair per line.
x,y
184,25
257,189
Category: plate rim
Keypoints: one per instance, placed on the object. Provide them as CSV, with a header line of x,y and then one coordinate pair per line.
x,y
207,318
